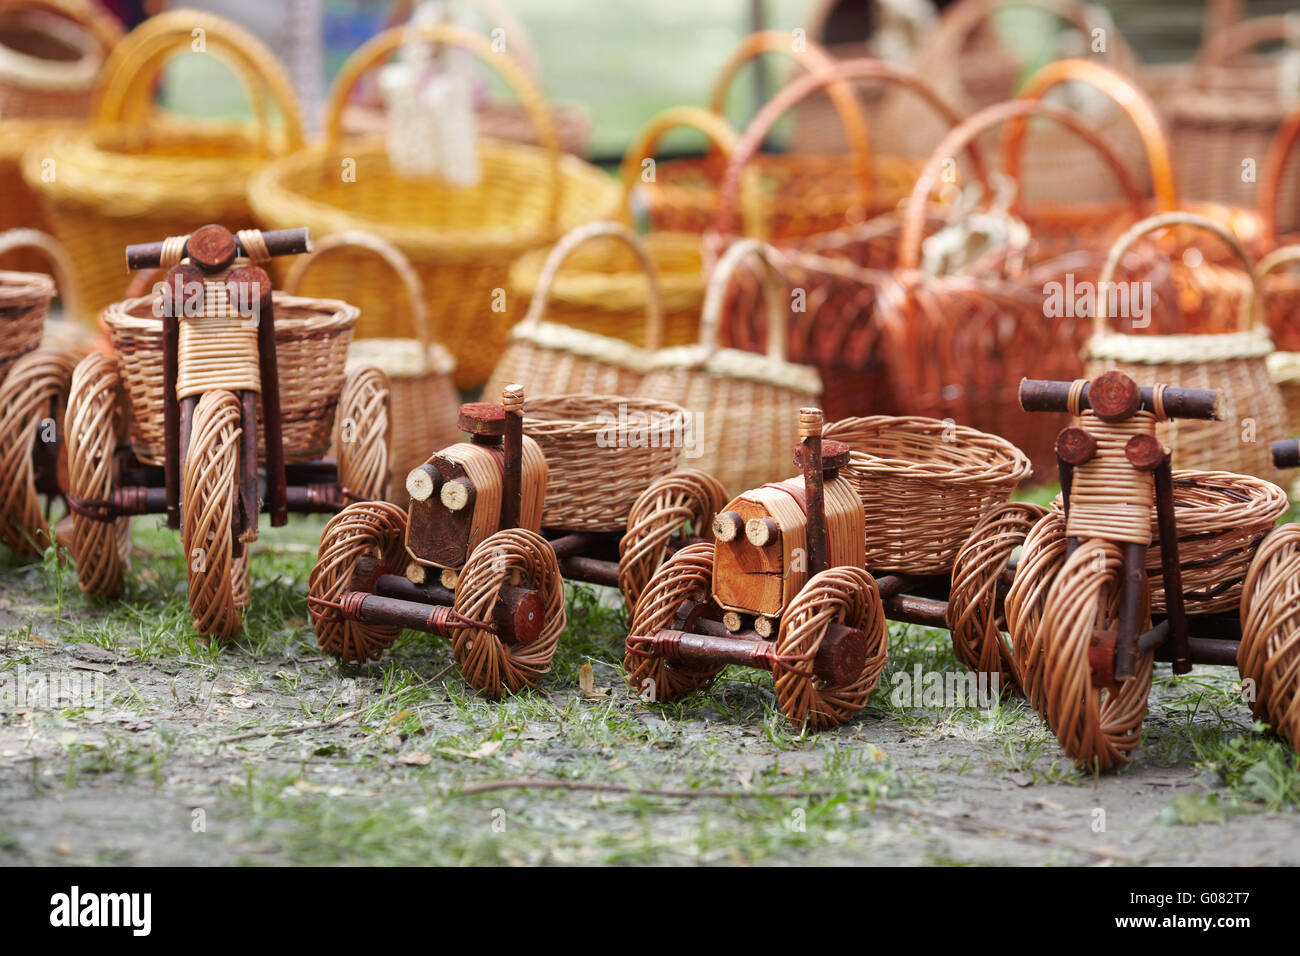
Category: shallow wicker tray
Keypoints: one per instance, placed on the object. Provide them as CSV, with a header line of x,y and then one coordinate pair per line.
x,y
924,484
601,452
311,338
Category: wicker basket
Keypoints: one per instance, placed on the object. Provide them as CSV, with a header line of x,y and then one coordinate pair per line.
x,y
1230,112
461,240
1235,364
947,475
422,395
135,175
743,406
311,342
1222,518
41,95
601,452
551,358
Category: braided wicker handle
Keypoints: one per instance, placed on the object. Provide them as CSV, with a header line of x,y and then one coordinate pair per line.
x,y
1245,35
54,251
654,312
1270,183
125,90
909,245
715,296
718,131
105,29
392,257
815,60
837,76
1135,104
1249,306
377,49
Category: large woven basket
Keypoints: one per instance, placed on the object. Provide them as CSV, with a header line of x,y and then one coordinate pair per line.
x,y
461,240
136,175
311,343
1222,518
549,357
601,452
743,406
423,400
50,55
1235,364
924,485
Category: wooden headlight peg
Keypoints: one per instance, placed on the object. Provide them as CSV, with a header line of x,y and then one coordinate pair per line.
x,y
727,526
423,482
1075,446
1144,452
456,494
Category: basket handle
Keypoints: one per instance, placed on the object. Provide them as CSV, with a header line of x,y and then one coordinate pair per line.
x,y
518,43
1249,307
958,139
715,295
814,60
1279,256
385,250
378,48
715,127
962,19
98,22
839,75
654,312
1135,104
1270,181
60,261
126,81
1244,35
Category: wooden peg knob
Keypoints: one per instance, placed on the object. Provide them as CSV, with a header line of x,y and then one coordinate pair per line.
x,y
456,494
1074,446
422,482
512,398
211,247
835,455
761,531
727,526
1114,397
483,419
1144,453
810,422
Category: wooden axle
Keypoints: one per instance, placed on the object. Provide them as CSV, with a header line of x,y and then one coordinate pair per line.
x,y
839,660
279,242
128,500
1038,395
517,616
1286,454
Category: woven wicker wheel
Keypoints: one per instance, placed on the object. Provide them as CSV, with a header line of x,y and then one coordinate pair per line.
x,y
687,575
1098,727
362,431
980,567
94,426
519,557
370,530
32,400
842,595
1269,653
208,493
666,508
1041,558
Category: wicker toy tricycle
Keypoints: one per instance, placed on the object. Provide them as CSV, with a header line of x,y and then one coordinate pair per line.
x,y
1139,563
565,487
221,395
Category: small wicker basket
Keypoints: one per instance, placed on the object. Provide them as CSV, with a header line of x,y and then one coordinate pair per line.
x,y
53,260
744,406
551,358
311,341
422,393
602,452
947,475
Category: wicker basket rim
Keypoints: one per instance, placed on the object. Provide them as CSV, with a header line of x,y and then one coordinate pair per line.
x,y
1218,509
735,363
565,338
327,314
37,73
998,461
1284,368
401,358
587,286
605,414
24,289
1181,348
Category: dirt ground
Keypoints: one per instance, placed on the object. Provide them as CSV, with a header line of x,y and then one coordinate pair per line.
x,y
145,745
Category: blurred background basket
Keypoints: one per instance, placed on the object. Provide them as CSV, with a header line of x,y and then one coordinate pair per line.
x,y
602,452
53,262
423,401
51,52
137,176
311,343
460,239
924,485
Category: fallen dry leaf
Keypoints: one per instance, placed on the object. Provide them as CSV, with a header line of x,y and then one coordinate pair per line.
x,y
587,683
478,753
417,759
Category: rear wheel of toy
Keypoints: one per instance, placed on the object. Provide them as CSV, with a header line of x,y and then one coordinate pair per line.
x,y
686,576
846,596
664,509
518,558
208,484
1269,654
360,543
362,435
1097,723
978,632
1041,558
94,425
32,402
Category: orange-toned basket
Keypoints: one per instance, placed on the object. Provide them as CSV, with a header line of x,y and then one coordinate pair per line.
x,y
461,240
